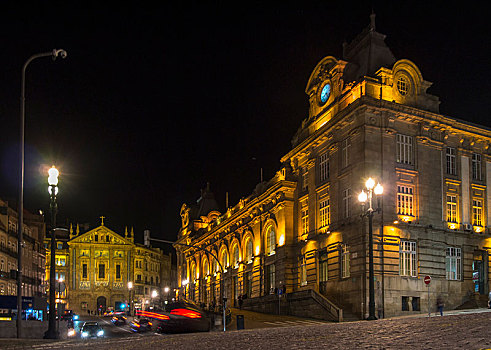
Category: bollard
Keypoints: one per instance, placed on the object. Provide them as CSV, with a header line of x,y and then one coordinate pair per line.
x,y
240,322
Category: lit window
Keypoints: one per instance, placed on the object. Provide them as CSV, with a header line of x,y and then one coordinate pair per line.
x,y
453,263
235,256
451,161
205,268
270,240
407,258
477,212
345,261
404,149
305,179
476,167
249,249
403,86
451,208
324,213
324,167
224,259
305,218
405,200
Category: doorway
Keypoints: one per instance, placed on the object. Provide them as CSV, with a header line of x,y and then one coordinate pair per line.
x,y
101,305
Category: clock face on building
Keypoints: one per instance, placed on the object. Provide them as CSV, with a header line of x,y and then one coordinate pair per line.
x,y
325,93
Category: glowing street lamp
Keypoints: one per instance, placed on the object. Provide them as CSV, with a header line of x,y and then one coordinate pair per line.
x,y
20,208
366,197
53,174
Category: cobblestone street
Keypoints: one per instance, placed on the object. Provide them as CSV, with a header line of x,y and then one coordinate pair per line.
x,y
462,331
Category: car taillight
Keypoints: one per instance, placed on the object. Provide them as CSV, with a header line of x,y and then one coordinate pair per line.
x,y
150,323
186,313
137,325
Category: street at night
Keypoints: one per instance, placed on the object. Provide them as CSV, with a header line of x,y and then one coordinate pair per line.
x,y
193,175
460,331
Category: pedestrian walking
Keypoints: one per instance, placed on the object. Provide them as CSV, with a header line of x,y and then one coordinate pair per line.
x,y
439,305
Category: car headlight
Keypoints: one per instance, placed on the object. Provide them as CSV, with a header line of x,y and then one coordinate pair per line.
x,y
100,333
71,332
75,317
85,334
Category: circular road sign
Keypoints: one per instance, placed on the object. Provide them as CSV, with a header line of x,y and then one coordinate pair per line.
x,y
427,279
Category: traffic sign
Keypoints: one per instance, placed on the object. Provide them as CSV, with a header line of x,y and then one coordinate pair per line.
x,y
427,279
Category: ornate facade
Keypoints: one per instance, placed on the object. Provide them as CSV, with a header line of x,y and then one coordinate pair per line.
x,y
98,265
370,115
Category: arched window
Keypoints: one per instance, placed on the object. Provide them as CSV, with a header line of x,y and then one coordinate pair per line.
x,y
270,240
248,250
224,259
214,265
235,256
205,268
192,276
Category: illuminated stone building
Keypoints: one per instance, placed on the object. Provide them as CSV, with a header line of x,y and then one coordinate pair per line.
x,y
370,115
34,259
98,264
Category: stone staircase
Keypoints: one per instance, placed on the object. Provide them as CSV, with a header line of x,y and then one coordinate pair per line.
x,y
307,303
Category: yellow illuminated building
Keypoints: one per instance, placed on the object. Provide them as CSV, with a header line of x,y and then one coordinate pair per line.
x,y
103,270
302,231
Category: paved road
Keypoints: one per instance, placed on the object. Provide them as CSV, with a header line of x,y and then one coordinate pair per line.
x,y
458,331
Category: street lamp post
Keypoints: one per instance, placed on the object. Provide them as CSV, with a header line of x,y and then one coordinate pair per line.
x,y
166,291
20,210
130,287
53,173
365,197
58,306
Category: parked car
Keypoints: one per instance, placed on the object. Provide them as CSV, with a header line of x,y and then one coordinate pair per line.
x,y
91,330
183,316
118,320
141,325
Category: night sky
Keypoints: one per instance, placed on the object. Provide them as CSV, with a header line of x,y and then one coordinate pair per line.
x,y
154,102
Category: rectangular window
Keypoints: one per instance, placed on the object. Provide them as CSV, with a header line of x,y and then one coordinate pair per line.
x,y
323,268
451,161
305,218
324,167
60,260
476,167
118,271
416,304
477,212
305,179
270,275
404,149
84,271
102,271
96,238
345,152
453,263
59,245
324,213
347,203
345,261
407,258
405,200
451,208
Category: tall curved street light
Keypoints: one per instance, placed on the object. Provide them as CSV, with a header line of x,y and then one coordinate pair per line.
x,y
364,198
20,212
